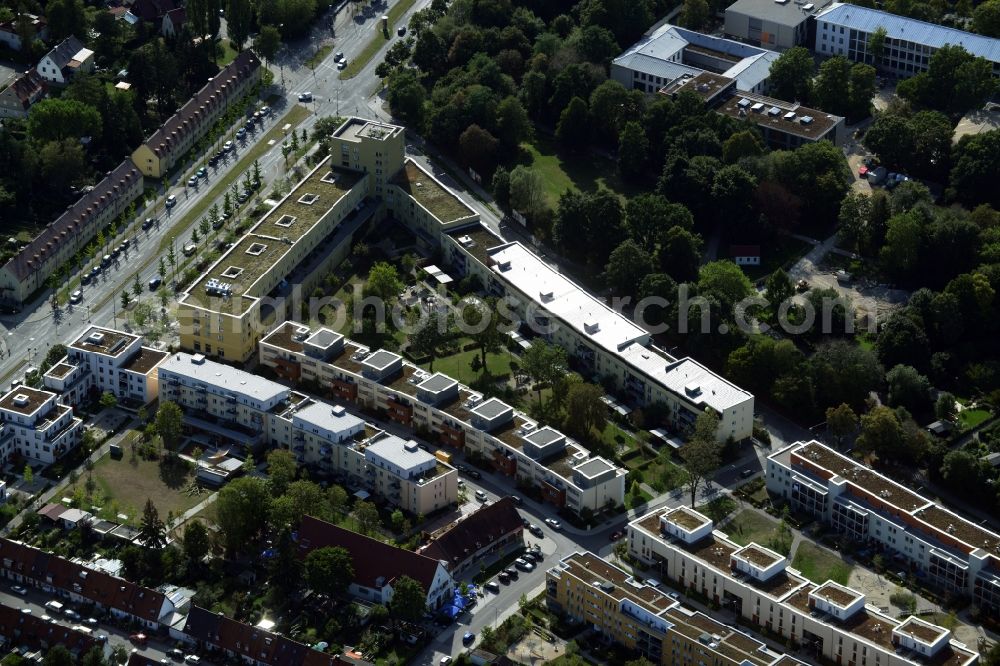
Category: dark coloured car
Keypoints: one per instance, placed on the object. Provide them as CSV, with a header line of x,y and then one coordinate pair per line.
x,y
148,224
474,474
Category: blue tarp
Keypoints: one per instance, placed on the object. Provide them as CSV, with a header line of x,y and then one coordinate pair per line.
x,y
459,603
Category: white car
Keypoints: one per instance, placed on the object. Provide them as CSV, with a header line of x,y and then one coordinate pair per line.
x,y
171,201
76,296
553,523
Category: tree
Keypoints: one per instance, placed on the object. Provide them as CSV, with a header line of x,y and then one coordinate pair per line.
x,y
336,498
739,145
239,22
891,136
170,423
955,81
478,149
841,423
882,434
486,334
648,216
501,187
268,42
596,44
573,130
406,97
281,470
944,407
366,515
831,90
513,123
409,599
633,150
976,169
28,475
383,282
398,520
136,286
861,90
544,363
241,512
680,254
695,14
426,339
908,388
58,655
162,270
301,498
108,400
779,289
876,45
791,75
527,191
843,372
726,281
961,469
329,570
626,267
586,412
152,531
65,18
196,542
702,454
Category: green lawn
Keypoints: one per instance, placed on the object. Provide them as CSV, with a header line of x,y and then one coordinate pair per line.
x,y
378,40
560,172
618,439
749,525
123,486
970,418
632,501
457,366
227,53
820,565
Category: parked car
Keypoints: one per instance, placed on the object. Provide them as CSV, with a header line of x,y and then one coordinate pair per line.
x,y
524,565
148,224
138,639
85,279
76,296
516,499
91,621
17,589
480,495
747,473
339,56
54,605
265,111
155,283
71,614
228,146
95,271
553,523
401,30
536,530
193,181
202,173
342,65
241,133
171,201
175,654
192,659
474,474
105,261
511,572
493,587
503,577
468,637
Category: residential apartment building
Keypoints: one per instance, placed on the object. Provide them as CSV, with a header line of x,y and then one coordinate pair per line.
x,y
378,565
846,29
26,272
670,52
66,60
602,342
425,204
773,24
489,532
184,129
37,426
588,589
222,637
938,546
68,579
104,359
21,94
276,264
830,622
369,147
439,407
239,408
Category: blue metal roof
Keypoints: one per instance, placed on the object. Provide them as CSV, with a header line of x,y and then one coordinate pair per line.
x,y
911,30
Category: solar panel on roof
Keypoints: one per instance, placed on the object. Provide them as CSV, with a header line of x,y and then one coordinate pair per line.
x,y
743,103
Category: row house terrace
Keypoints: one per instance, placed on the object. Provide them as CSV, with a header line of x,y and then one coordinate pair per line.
x,y
71,580
441,408
937,545
829,621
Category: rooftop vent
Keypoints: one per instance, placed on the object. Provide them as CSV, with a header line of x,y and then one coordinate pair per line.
x,y
232,272
504,266
21,400
256,249
285,221
591,327
743,103
338,410
806,120
95,338
308,198
546,296
466,241
410,446
790,115
774,111
198,359
808,7
692,390
758,107
330,177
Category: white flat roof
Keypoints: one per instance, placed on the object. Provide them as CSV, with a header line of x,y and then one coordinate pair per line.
x,y
687,378
223,377
328,417
569,302
394,450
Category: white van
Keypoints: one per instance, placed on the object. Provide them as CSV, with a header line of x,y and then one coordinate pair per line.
x,y
54,606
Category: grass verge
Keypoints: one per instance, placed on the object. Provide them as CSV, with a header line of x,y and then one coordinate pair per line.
x,y
318,57
750,526
970,418
378,40
819,565
569,172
